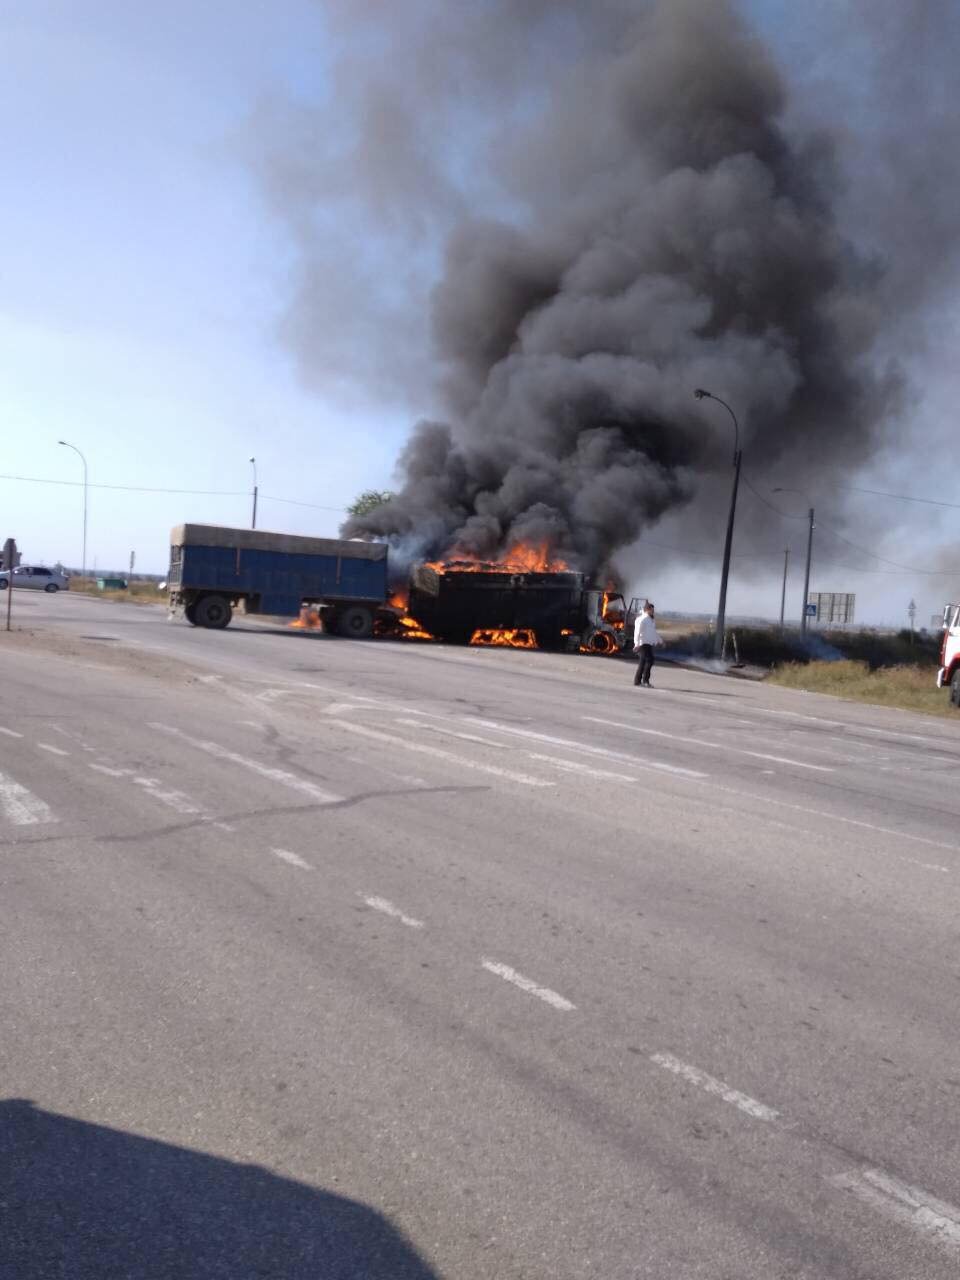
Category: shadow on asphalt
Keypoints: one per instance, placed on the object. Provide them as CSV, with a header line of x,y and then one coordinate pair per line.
x,y
80,1201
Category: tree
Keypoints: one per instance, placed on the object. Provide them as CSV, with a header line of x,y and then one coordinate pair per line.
x,y
368,501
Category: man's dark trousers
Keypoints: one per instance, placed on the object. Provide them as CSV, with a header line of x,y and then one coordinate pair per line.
x,y
645,665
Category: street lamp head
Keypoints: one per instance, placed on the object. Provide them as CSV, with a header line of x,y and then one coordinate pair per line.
x,y
700,394
253,459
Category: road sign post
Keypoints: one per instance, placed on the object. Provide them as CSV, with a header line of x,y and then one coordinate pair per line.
x,y
9,564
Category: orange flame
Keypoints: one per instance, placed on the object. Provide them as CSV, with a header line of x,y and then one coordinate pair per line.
x,y
309,620
520,557
519,639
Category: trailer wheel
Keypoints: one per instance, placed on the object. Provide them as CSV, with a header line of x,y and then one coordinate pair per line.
x,y
213,612
955,688
356,623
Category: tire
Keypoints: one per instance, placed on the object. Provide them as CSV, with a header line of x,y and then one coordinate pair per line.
x,y
213,612
355,623
955,688
51,588
3,584
190,613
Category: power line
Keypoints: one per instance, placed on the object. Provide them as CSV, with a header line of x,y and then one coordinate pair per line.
x,y
132,488
295,502
905,568
899,497
204,493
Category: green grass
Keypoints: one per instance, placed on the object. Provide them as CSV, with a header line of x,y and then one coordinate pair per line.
x,y
912,688
770,647
137,592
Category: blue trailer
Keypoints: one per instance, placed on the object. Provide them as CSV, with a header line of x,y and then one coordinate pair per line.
x,y
214,570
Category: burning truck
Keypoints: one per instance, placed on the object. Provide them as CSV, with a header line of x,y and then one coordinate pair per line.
x,y
500,604
524,601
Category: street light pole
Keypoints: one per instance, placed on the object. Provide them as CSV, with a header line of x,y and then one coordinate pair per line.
x,y
700,394
806,576
783,593
253,520
68,445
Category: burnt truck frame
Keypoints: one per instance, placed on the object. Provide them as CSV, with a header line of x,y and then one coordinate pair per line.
x,y
215,570
561,610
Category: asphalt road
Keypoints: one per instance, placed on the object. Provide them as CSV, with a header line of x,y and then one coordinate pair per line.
x,y
326,959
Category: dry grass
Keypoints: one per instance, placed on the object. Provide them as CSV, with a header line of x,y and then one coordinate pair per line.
x,y
912,688
136,592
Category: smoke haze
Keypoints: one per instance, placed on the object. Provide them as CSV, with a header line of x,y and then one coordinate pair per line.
x,y
658,214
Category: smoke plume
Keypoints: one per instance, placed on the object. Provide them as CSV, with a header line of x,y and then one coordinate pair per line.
x,y
674,237
632,206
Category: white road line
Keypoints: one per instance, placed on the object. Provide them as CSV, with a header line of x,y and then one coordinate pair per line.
x,y
22,807
902,1203
574,766
112,772
388,909
293,858
173,799
709,1084
286,779
424,748
851,822
452,733
54,751
723,748
526,984
10,733
584,748
797,715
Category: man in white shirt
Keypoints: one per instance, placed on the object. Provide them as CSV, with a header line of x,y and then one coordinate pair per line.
x,y
644,638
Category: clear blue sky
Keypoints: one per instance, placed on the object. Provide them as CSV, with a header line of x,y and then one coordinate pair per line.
x,y
146,283
144,280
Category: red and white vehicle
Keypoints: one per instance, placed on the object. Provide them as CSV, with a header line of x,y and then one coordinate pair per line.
x,y
949,674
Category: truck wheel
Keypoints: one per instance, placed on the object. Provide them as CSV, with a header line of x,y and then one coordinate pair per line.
x,y
190,613
356,623
212,612
955,688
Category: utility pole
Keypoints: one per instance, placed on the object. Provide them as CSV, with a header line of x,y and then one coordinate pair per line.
x,y
67,445
806,576
912,613
253,519
700,394
783,593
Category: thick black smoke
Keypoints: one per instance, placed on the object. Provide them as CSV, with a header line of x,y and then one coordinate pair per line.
x,y
674,236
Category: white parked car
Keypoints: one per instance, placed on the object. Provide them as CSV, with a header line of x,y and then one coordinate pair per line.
x,y
38,578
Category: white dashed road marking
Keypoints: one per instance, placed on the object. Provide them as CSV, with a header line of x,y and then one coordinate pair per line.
x,y
424,748
526,984
711,1085
388,909
20,806
10,733
286,779
54,751
173,799
450,733
908,1205
574,766
111,772
714,746
584,748
293,858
